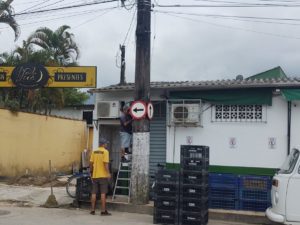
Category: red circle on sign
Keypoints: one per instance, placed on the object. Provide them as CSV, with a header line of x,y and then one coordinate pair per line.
x,y
138,110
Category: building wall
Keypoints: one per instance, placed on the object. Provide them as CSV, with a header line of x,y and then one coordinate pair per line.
x,y
29,141
252,148
295,125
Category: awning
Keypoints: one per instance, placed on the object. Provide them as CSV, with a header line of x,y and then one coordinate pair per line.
x,y
230,97
291,94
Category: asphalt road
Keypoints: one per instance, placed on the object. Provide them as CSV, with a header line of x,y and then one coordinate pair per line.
x,y
14,215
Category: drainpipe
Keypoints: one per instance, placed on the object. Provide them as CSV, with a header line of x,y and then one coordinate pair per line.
x,y
289,127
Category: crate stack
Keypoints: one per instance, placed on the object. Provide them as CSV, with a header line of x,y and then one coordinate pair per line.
x,y
83,189
255,193
223,191
193,207
166,197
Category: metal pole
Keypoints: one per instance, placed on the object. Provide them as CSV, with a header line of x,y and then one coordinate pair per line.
x,y
141,128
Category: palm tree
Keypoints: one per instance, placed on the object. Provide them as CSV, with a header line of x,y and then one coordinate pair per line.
x,y
59,44
6,16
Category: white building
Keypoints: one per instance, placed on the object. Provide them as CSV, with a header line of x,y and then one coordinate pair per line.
x,y
249,124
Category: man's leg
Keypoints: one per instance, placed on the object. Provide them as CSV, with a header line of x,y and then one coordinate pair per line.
x,y
104,190
93,203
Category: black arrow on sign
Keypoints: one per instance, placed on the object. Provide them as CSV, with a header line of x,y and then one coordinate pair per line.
x,y
138,110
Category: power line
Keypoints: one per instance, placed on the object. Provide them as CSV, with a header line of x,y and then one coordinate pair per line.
x,y
67,7
227,6
130,26
235,28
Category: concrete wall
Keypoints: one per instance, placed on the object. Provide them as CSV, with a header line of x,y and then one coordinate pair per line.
x,y
252,148
29,141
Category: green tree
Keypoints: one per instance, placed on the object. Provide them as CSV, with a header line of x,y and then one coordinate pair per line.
x,y
59,44
50,49
6,16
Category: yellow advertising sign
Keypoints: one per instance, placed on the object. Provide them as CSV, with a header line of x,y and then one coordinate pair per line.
x,y
29,76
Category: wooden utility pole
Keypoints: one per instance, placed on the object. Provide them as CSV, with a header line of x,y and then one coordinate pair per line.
x,y
123,64
141,128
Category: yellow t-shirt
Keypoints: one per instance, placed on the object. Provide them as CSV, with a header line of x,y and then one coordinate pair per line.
x,y
98,158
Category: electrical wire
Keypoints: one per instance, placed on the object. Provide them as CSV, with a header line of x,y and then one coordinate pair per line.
x,y
234,28
130,27
66,7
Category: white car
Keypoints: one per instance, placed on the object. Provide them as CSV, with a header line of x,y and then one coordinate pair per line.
x,y
285,192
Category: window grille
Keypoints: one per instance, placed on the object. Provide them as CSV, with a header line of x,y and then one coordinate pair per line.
x,y
239,113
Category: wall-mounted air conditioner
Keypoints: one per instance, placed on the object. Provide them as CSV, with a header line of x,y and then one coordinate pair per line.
x,y
185,113
108,109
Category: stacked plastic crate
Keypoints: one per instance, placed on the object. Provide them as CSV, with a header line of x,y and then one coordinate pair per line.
x,y
83,189
193,207
255,193
223,191
166,197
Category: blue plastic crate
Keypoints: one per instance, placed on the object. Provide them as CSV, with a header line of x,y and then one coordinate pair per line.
x,y
224,192
219,203
260,195
255,183
223,180
253,205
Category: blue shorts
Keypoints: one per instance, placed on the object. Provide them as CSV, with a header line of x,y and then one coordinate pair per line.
x,y
125,139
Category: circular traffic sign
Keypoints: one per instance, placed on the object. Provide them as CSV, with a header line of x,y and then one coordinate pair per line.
x,y
150,110
138,110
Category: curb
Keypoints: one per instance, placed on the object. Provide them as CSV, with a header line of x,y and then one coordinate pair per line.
x,y
214,214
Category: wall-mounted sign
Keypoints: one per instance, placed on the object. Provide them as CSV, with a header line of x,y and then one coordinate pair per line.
x,y
232,142
33,76
30,76
272,142
189,140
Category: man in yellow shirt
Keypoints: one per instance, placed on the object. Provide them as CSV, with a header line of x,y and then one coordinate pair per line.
x,y
99,165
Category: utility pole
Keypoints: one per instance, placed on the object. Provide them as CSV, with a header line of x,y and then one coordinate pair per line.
x,y
123,64
141,128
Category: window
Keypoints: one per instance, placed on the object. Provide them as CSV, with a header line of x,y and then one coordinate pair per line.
x,y
290,162
239,113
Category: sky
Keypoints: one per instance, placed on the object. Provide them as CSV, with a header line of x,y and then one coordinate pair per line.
x,y
190,39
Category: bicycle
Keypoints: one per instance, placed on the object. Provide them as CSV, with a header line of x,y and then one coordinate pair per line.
x,y
72,182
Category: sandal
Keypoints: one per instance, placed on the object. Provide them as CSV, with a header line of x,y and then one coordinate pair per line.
x,y
105,213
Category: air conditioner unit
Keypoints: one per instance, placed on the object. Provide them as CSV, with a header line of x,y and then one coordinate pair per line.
x,y
108,109
185,113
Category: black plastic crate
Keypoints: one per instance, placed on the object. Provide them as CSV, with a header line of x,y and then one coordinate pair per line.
x,y
223,180
169,176
83,189
165,217
195,151
194,204
224,192
192,218
222,203
194,164
193,177
166,189
166,203
194,191
254,205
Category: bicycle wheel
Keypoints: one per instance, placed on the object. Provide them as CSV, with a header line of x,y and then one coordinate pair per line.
x,y
71,186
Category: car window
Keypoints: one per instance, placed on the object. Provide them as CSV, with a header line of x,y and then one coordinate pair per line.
x,y
290,162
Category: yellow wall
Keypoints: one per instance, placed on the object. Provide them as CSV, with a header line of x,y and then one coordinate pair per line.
x,y
28,141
